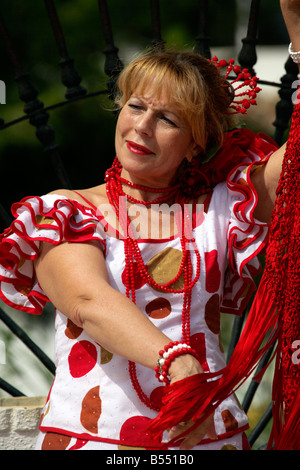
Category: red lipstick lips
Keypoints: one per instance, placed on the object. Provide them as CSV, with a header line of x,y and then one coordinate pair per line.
x,y
138,149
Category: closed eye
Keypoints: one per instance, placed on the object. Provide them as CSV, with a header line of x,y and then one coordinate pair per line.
x,y
163,117
168,121
134,106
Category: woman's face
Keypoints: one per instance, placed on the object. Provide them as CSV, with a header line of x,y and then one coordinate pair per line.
x,y
152,140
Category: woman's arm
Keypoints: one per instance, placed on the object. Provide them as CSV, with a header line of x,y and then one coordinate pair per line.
x,y
291,14
75,279
266,180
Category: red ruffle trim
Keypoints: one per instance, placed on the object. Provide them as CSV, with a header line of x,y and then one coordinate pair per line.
x,y
242,153
48,219
238,145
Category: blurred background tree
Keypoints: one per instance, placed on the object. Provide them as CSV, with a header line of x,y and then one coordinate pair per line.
x,y
84,131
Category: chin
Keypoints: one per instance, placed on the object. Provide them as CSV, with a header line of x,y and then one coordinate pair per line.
x,y
137,164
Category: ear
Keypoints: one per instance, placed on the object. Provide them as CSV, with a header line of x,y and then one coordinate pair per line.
x,y
193,151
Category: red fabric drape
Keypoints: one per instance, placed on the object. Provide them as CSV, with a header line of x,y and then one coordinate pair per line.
x,y
274,315
282,277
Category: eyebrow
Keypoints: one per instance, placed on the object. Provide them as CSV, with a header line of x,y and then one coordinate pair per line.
x,y
161,108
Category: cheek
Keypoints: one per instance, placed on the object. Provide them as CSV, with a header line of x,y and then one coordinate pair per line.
x,y
125,127
123,121
179,148
117,140
120,130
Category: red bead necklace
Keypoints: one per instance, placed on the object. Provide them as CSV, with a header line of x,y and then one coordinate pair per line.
x,y
132,253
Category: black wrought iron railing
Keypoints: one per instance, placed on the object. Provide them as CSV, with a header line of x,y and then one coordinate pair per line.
x,y
37,113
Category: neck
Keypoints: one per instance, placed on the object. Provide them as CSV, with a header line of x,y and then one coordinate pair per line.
x,y
140,190
120,183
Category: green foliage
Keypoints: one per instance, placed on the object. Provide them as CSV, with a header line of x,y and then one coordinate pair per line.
x,y
84,131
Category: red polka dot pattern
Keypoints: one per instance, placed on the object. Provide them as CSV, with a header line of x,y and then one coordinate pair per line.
x,y
212,314
138,279
133,431
105,356
82,358
213,273
156,396
198,343
72,331
229,420
91,410
158,308
55,441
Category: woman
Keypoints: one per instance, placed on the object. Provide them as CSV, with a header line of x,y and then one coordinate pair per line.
x,y
122,289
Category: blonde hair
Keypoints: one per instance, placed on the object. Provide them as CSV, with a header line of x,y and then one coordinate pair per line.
x,y
193,84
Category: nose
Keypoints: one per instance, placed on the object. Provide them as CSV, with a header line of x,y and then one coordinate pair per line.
x,y
144,124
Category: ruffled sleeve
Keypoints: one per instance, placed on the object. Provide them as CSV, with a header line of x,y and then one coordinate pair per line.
x,y
247,237
51,219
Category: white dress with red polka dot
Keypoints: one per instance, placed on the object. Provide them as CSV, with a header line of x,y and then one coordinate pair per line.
x,y
92,397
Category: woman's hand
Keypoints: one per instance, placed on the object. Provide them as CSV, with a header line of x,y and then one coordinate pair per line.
x,y
182,367
195,436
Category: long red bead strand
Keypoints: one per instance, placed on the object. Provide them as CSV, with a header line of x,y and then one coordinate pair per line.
x,y
132,253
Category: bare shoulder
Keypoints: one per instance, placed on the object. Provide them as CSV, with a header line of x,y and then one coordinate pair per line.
x,y
88,197
63,192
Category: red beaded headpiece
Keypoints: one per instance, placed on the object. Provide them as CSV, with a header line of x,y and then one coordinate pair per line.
x,y
240,103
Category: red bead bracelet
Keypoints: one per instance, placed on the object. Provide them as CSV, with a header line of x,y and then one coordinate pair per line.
x,y
167,355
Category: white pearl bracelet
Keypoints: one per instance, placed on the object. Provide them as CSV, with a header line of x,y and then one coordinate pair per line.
x,y
167,355
295,56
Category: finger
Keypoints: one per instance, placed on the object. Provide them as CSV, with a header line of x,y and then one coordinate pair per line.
x,y
211,431
206,429
192,439
179,428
